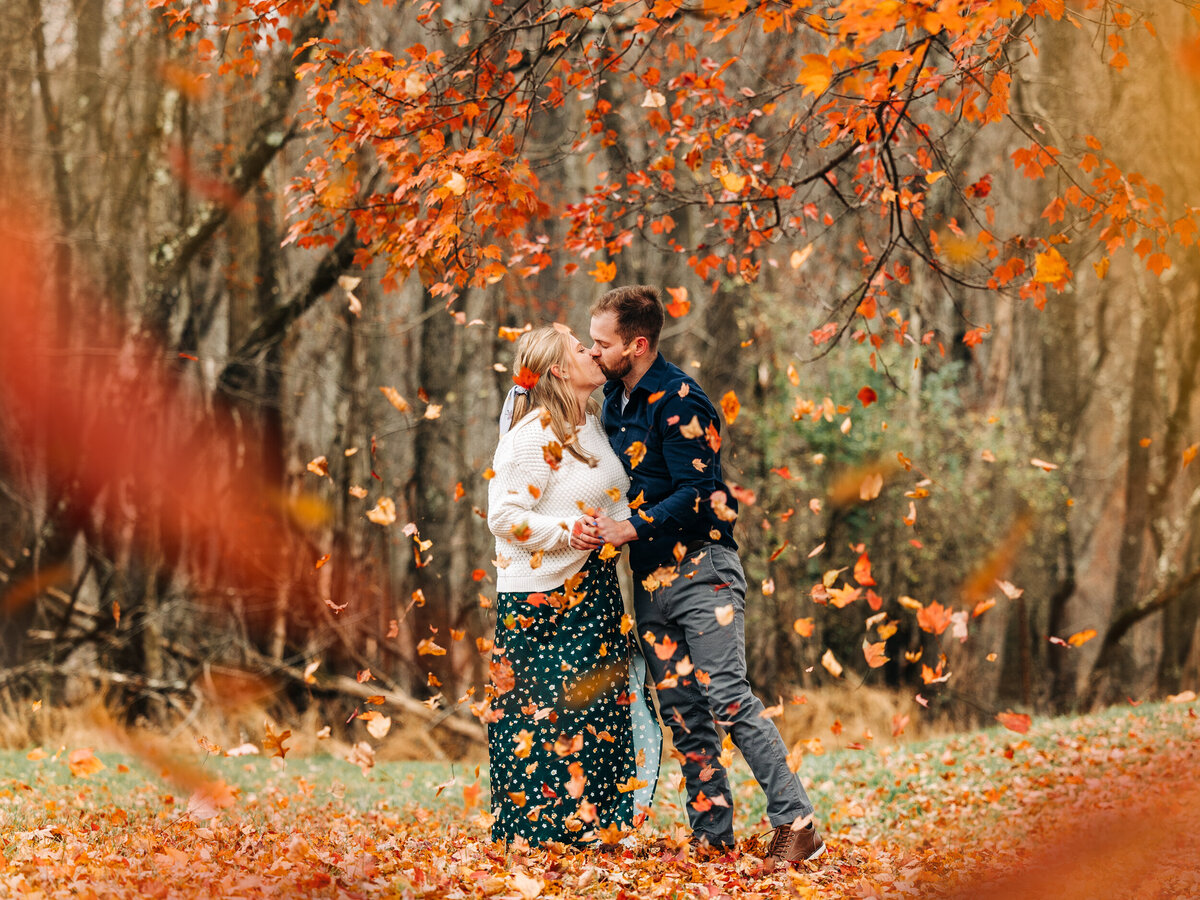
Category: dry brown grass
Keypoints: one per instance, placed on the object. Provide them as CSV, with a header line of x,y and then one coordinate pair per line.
x,y
836,717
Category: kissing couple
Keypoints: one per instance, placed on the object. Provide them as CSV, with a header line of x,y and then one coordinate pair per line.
x,y
574,744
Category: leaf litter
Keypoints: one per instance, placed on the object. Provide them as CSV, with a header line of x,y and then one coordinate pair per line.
x,y
1101,805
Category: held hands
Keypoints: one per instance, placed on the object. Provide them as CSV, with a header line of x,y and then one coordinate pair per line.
x,y
593,532
614,532
584,534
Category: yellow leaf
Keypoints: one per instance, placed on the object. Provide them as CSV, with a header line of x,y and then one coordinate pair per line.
x,y
604,271
429,647
731,406
636,453
816,75
1050,267
1079,638
733,182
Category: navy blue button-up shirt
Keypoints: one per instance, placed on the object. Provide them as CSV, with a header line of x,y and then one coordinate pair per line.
x,y
676,425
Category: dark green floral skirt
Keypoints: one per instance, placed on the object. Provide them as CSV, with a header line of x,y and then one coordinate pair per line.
x,y
576,748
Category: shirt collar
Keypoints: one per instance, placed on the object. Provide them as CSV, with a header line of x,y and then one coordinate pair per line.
x,y
654,379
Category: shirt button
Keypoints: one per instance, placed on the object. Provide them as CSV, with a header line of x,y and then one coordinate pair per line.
x,y
622,429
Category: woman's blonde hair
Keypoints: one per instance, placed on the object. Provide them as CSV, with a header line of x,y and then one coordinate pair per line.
x,y
538,351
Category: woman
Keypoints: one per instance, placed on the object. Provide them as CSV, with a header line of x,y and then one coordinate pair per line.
x,y
574,746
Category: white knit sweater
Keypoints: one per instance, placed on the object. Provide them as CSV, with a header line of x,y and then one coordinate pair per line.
x,y
532,507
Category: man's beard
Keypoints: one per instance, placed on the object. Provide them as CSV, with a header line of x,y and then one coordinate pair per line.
x,y
623,368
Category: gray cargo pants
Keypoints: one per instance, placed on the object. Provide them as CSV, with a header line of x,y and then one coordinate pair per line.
x,y
684,612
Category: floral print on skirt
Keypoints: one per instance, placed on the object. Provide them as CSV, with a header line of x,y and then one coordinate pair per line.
x,y
577,746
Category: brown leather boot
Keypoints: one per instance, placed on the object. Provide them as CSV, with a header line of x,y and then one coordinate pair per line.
x,y
794,846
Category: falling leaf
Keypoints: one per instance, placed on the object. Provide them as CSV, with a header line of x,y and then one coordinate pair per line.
x,y
692,429
1018,722
524,746
874,653
843,596
429,647
870,486
319,466
724,615
804,627
862,571
653,100
567,746
309,670
867,396
730,406
379,726
796,260
665,648
934,618
1011,591
383,513
1189,454
275,743
636,453
394,398
1079,638
604,271
209,799
679,304
832,666
83,763
1043,465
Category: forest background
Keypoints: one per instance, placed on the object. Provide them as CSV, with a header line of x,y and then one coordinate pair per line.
x,y
265,263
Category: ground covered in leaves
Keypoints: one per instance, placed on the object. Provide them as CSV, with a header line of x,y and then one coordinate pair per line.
x,y
1097,806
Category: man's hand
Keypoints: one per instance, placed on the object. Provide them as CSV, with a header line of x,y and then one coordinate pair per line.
x,y
614,532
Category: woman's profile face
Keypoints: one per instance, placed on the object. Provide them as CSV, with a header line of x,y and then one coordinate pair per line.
x,y
582,369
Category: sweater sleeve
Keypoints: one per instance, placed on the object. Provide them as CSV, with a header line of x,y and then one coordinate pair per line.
x,y
522,476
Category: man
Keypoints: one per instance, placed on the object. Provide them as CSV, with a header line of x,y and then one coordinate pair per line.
x,y
689,588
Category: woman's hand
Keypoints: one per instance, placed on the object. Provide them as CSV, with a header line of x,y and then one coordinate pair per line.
x,y
584,534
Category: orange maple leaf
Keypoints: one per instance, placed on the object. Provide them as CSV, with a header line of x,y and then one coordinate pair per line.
x,y
604,271
526,378
933,618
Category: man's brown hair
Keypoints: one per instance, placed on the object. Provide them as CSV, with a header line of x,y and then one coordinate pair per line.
x,y
638,310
